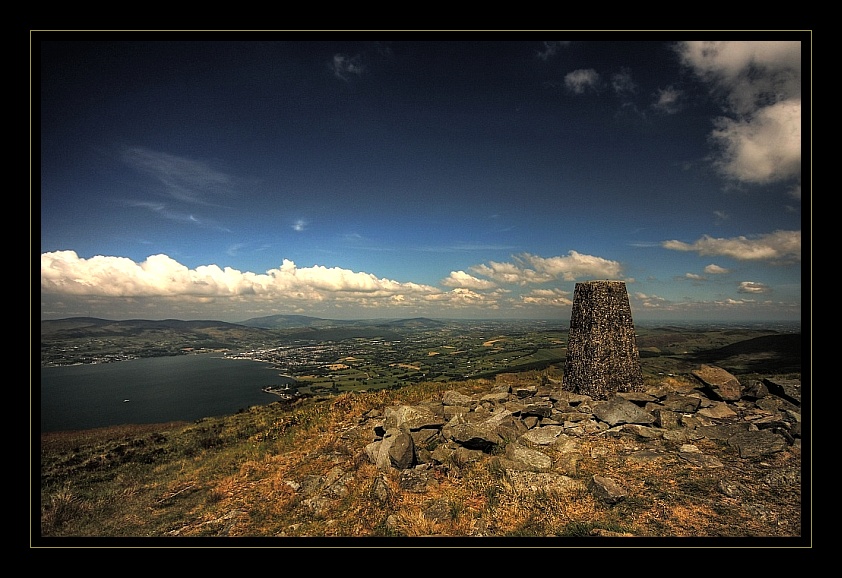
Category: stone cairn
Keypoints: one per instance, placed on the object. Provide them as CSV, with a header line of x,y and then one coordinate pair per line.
x,y
602,357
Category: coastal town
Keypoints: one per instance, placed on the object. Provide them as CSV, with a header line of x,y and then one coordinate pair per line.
x,y
422,355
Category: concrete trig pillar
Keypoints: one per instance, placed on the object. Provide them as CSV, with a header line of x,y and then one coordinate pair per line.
x,y
602,357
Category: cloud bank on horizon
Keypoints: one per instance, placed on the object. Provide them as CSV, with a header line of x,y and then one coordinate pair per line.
x,y
184,220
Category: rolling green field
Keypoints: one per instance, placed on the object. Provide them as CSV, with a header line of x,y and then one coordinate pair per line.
x,y
371,355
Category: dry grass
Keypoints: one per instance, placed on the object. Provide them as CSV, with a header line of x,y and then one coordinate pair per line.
x,y
253,475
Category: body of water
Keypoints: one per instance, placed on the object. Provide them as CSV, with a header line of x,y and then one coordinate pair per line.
x,y
152,390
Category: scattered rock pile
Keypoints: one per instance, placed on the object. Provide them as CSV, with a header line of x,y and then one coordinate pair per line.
x,y
515,422
516,425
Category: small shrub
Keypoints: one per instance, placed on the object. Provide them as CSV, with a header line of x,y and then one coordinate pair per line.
x,y
382,530
531,528
215,496
63,506
576,529
704,486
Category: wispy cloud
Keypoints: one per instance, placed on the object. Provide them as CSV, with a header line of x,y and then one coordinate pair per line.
x,y
384,49
234,249
182,179
167,212
721,215
464,248
550,48
622,83
185,186
667,100
344,66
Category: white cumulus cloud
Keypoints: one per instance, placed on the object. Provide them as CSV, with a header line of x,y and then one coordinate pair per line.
x,y
551,297
759,138
462,297
752,287
713,269
532,269
777,246
764,148
64,272
462,279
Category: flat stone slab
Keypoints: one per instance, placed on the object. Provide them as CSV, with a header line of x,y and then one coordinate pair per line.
x,y
722,383
757,443
619,411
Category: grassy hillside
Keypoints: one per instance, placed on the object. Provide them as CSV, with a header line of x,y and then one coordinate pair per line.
x,y
87,339
236,476
240,476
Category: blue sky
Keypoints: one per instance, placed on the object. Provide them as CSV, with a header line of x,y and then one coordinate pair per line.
x,y
347,176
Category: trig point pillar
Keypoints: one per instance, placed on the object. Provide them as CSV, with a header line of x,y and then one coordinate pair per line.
x,y
602,357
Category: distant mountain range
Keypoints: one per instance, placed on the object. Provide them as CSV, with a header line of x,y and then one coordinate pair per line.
x,y
311,327
94,327
294,321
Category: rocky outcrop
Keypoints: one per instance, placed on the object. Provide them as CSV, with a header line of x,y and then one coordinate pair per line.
x,y
514,422
722,384
544,439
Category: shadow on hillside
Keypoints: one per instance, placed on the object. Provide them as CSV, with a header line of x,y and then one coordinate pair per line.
x,y
766,354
